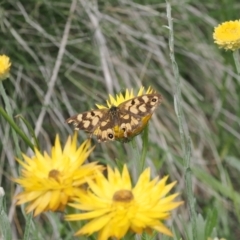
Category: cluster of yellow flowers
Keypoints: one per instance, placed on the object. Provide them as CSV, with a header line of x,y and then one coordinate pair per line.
x,y
112,205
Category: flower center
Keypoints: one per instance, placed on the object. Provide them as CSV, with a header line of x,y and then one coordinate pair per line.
x,y
123,196
55,174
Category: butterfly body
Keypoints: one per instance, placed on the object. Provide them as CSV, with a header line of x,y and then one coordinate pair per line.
x,y
120,121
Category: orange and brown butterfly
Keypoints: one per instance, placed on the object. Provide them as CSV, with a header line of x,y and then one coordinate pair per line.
x,y
123,118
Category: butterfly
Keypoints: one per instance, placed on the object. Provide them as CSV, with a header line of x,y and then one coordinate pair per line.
x,y
116,121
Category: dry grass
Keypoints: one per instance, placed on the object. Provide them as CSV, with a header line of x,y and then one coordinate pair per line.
x,y
64,63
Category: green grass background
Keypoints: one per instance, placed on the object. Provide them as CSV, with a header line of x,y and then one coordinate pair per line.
x,y
111,46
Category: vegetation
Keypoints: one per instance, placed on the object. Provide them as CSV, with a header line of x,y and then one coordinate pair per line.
x,y
68,56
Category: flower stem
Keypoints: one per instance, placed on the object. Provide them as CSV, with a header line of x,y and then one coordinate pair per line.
x,y
136,171
144,149
183,129
5,228
16,130
237,63
9,112
28,227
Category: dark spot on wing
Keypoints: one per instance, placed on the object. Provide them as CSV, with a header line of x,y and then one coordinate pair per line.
x,y
110,136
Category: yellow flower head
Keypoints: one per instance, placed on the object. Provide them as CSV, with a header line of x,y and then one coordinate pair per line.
x,y
227,35
50,181
113,207
4,67
120,98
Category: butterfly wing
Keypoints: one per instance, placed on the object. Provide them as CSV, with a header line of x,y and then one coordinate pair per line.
x,y
141,106
105,130
133,110
96,122
127,117
88,121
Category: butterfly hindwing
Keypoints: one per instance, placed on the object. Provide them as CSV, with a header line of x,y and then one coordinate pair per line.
x,y
105,130
128,122
133,110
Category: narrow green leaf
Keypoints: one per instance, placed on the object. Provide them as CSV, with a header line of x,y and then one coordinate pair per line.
x,y
16,128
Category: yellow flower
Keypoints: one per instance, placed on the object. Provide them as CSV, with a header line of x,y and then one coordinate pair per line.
x,y
120,98
113,207
50,181
4,67
227,35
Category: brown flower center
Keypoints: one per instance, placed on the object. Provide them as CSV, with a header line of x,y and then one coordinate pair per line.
x,y
123,196
55,174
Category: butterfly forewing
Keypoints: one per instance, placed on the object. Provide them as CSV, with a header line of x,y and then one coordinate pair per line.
x,y
141,106
88,121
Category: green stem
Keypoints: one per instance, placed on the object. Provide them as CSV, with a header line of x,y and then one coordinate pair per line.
x,y
5,227
8,116
144,149
28,226
237,63
9,112
135,160
184,134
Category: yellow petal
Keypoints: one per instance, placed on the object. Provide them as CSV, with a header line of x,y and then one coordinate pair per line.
x,y
95,225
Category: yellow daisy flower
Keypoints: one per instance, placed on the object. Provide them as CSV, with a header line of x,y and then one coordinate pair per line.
x,y
4,67
50,181
227,35
113,207
120,98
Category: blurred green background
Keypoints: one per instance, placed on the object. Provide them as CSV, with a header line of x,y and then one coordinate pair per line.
x,y
64,63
